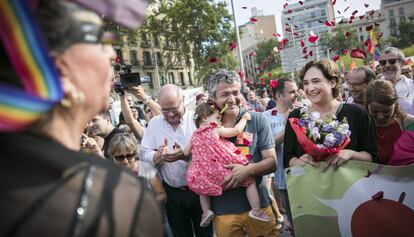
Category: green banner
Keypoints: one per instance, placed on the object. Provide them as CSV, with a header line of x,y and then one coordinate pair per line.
x,y
357,199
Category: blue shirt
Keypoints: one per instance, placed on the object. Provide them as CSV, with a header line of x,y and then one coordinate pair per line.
x,y
277,124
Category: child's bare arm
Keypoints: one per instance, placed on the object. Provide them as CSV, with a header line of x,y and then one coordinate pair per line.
x,y
237,129
187,149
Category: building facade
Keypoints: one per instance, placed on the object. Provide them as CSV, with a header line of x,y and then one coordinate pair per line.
x,y
156,62
394,12
253,33
297,22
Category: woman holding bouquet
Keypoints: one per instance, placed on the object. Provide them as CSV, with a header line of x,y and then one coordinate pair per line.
x,y
321,84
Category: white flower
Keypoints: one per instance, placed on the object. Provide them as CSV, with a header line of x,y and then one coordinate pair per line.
x,y
315,115
315,133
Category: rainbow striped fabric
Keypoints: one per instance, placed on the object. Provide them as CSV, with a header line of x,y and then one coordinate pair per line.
x,y
27,53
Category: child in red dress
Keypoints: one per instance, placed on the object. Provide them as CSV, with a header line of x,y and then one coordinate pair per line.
x,y
210,153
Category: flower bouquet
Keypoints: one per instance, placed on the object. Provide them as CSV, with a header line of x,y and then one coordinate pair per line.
x,y
320,138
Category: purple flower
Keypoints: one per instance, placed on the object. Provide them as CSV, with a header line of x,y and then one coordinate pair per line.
x,y
303,122
330,140
327,128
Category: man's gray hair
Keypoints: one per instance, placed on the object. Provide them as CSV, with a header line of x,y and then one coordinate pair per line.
x,y
397,51
220,75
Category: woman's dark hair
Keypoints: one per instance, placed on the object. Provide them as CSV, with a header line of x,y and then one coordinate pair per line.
x,y
202,111
329,70
281,85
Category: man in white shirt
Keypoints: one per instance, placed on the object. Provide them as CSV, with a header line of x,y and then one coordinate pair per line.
x,y
391,60
174,126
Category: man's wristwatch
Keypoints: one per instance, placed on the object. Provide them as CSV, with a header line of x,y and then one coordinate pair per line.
x,y
147,100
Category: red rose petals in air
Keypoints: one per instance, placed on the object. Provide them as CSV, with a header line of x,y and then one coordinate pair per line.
x,y
300,2
335,58
253,19
302,43
333,2
366,5
274,112
361,17
347,34
285,5
380,34
313,37
244,7
241,74
368,28
213,60
289,11
327,23
378,196
232,45
345,51
311,53
262,84
358,53
273,83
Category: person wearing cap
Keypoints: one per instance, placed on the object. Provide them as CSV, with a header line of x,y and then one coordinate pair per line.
x,y
48,187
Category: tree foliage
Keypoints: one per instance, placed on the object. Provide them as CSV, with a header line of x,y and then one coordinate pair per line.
x,y
200,28
266,57
405,39
337,41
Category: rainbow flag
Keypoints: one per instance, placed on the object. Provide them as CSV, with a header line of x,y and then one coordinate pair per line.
x,y
27,53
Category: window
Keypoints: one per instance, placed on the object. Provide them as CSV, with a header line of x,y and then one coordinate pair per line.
x,y
323,13
182,78
151,84
133,57
159,59
171,78
313,15
189,78
119,56
392,22
144,40
156,41
361,38
360,29
147,58
401,11
391,12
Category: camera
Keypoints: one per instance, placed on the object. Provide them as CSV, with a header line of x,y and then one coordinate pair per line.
x,y
128,78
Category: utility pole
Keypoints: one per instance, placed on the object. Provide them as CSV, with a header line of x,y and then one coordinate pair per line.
x,y
236,28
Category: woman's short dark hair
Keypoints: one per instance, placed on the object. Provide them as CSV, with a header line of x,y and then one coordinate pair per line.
x,y
281,85
329,70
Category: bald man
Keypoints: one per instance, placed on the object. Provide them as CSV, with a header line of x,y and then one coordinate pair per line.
x,y
173,128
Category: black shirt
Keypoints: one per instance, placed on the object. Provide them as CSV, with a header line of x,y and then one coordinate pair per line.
x,y
43,185
360,124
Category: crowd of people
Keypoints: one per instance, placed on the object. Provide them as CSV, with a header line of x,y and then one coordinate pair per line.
x,y
215,171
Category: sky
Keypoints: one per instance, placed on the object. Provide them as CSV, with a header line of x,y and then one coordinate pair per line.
x,y
275,7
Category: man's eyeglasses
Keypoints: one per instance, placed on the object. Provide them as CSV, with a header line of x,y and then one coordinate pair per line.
x,y
390,61
129,157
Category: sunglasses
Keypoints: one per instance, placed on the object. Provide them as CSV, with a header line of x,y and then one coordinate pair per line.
x,y
129,157
390,61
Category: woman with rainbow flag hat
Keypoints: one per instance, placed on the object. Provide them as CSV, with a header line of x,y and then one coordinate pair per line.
x,y
55,75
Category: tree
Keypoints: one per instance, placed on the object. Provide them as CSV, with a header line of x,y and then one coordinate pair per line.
x,y
405,39
200,28
337,41
266,56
